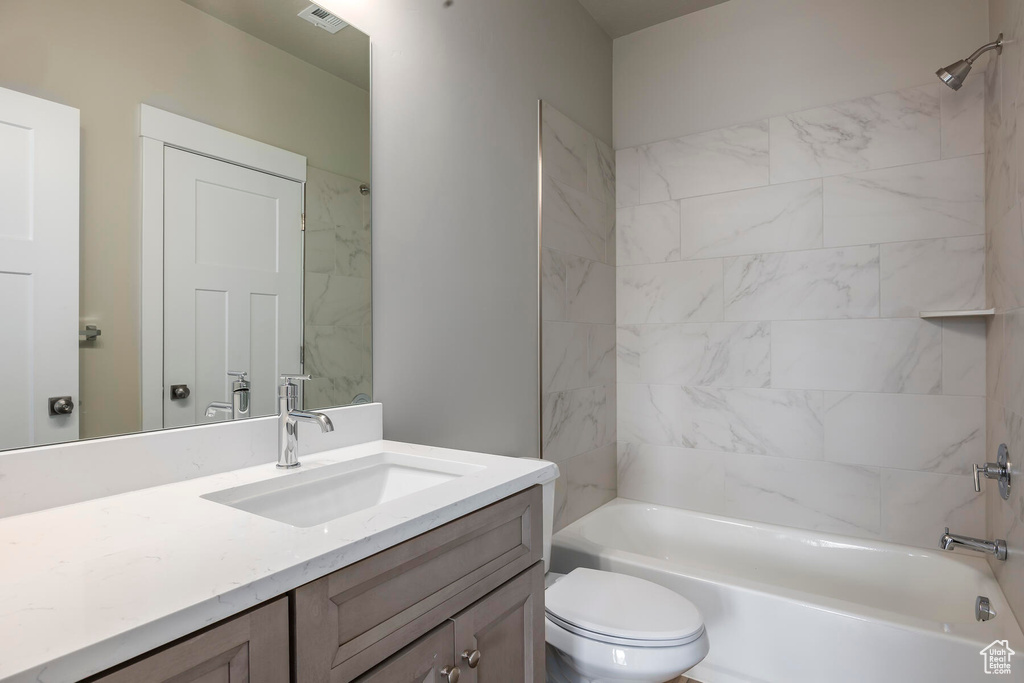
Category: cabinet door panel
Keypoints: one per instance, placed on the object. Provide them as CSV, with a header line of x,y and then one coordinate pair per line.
x,y
420,662
507,629
250,648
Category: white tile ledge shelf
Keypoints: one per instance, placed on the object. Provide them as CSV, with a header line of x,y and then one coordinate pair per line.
x,y
978,312
87,586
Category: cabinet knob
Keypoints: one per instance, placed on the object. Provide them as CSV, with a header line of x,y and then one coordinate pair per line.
x,y
472,657
451,674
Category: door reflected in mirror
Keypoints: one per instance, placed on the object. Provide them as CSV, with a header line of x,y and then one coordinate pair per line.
x,y
184,213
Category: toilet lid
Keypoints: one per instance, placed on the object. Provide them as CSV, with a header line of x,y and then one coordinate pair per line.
x,y
622,606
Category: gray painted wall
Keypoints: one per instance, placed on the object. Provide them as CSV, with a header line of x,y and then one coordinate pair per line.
x,y
455,95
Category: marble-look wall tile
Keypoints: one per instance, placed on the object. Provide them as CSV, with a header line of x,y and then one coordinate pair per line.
x,y
682,291
601,358
893,356
336,300
590,481
995,356
343,355
1001,147
926,433
1005,519
332,199
963,119
590,291
872,132
575,422
938,199
352,250
1005,261
823,496
933,275
564,348
802,285
552,285
628,347
319,393
648,233
601,173
578,355
627,177
764,219
1012,391
566,147
963,357
756,421
706,354
916,506
667,475
716,161
574,222
318,248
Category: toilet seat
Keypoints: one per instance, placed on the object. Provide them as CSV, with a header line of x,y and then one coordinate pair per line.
x,y
622,610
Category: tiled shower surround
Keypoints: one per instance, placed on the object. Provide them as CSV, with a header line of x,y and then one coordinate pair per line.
x,y
338,331
1004,107
772,364
578,314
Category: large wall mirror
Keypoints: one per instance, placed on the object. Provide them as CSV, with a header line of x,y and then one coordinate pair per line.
x,y
184,213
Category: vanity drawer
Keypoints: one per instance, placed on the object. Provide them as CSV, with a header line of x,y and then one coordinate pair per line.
x,y
350,620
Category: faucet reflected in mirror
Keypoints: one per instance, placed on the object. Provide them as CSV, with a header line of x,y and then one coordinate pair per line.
x,y
238,409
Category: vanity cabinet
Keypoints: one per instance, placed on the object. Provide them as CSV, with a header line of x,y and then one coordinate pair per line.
x,y
464,601
249,648
347,622
499,639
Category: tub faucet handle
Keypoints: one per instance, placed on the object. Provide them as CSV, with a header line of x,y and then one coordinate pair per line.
x,y
995,470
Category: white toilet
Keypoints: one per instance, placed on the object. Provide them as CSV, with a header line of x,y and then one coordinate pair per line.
x,y
605,627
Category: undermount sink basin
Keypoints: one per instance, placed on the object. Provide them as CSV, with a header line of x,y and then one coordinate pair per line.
x,y
321,494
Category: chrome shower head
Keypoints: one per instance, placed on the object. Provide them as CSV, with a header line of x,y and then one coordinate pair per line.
x,y
955,74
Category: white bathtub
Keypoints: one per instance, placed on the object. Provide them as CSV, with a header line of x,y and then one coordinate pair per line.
x,y
783,605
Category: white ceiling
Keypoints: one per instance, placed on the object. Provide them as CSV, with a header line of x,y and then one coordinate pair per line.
x,y
346,54
619,17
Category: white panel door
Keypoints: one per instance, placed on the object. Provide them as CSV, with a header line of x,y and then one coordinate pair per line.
x,y
232,283
39,152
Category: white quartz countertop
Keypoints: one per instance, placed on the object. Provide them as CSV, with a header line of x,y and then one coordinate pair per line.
x,y
87,586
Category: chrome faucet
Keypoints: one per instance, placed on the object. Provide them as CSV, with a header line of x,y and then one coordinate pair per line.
x,y
239,406
289,417
1000,470
996,547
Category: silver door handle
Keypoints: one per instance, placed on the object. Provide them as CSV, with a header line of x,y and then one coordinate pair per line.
x,y
60,406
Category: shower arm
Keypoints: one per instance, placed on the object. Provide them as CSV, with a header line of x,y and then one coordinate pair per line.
x,y
996,45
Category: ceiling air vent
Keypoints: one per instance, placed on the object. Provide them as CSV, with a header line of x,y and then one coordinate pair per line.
x,y
318,16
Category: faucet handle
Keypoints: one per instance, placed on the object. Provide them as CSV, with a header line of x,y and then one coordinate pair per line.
x,y
287,379
240,374
977,479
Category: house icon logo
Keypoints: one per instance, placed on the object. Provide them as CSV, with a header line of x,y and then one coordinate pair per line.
x,y
997,657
